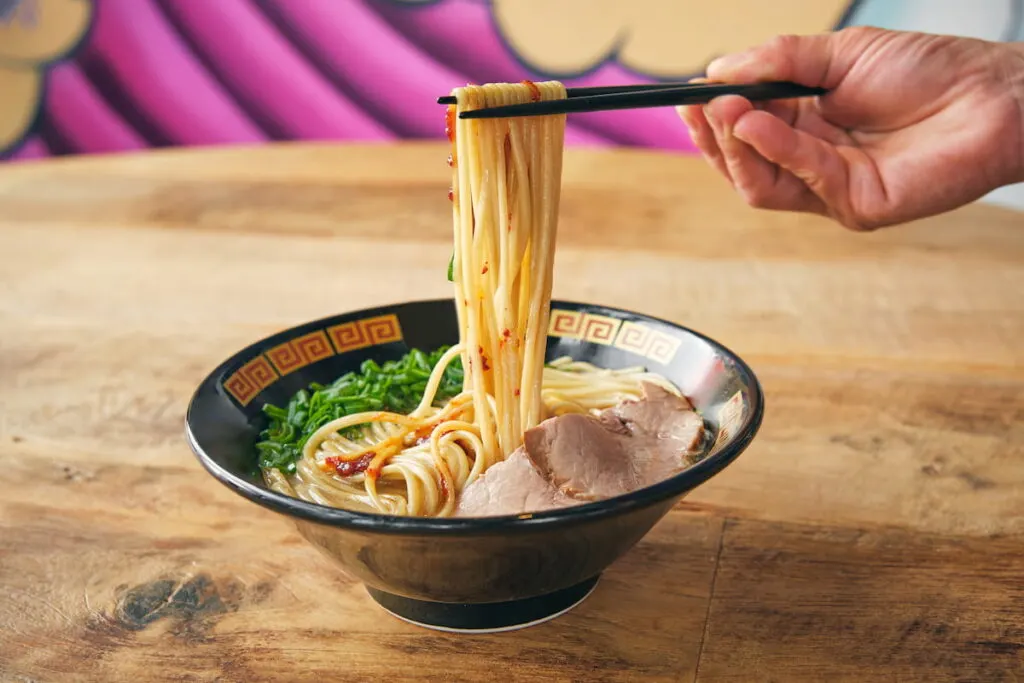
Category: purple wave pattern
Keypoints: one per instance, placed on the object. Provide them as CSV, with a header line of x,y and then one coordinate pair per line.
x,y
462,34
74,107
156,73
32,148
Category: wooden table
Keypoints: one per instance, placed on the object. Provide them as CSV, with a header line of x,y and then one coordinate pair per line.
x,y
873,532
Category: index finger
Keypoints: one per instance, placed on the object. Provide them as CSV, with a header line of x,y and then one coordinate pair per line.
x,y
800,59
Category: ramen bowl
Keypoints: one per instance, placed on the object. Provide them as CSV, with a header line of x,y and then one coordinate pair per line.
x,y
470,574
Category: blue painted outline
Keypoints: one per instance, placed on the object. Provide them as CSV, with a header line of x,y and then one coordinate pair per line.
x,y
613,56
848,14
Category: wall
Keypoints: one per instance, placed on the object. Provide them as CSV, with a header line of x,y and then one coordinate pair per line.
x,y
97,76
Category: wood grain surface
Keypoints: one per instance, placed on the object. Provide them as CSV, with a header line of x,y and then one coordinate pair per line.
x,y
873,532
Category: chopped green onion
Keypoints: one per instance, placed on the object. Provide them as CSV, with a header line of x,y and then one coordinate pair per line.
x,y
396,386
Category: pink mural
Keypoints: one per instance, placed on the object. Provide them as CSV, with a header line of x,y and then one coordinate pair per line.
x,y
134,74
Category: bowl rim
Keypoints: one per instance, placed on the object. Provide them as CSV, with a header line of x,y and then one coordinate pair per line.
x,y
470,526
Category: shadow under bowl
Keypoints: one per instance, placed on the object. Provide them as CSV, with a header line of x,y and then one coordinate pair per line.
x,y
471,574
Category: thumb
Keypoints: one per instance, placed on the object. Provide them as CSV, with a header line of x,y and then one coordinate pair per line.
x,y
801,59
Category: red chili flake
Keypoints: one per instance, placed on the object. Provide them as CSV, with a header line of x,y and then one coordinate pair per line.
x,y
451,195
534,90
346,468
451,160
483,360
422,434
508,154
449,123
516,392
506,333
484,271
444,488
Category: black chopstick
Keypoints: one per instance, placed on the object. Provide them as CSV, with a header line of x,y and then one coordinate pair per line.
x,y
601,90
651,97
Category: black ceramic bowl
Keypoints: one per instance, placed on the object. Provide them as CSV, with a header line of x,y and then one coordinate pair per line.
x,y
476,574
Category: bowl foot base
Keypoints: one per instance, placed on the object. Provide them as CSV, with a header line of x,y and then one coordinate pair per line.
x,y
494,617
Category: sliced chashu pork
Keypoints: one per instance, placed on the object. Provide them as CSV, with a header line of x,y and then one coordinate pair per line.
x,y
576,458
668,434
582,457
510,487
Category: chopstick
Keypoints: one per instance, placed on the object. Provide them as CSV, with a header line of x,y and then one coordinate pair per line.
x,y
638,97
600,90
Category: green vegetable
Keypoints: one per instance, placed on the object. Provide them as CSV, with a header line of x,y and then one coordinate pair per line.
x,y
395,386
451,268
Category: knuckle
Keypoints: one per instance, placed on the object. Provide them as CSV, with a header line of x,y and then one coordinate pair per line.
x,y
714,157
812,180
851,224
783,43
781,54
862,225
856,222
857,33
756,195
705,142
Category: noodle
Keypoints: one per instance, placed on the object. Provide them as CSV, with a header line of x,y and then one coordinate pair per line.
x,y
505,197
505,227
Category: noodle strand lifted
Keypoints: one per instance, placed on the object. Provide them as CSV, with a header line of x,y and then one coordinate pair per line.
x,y
506,184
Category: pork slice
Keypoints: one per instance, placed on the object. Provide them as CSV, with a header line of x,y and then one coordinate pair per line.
x,y
575,458
511,487
582,456
667,434
663,414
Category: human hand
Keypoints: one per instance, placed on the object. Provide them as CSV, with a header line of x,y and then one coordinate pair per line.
x,y
914,125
